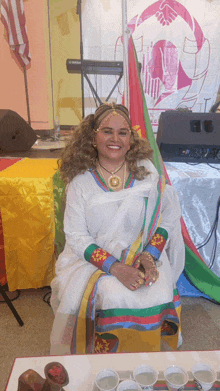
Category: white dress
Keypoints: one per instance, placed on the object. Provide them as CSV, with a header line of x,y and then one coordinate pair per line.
x,y
113,221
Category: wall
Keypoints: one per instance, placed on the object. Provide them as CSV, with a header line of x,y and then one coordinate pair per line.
x,y
38,71
65,43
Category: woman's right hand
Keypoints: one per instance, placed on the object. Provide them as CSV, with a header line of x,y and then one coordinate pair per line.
x,y
130,277
146,264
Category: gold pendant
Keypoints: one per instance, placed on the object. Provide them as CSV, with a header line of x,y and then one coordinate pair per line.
x,y
114,182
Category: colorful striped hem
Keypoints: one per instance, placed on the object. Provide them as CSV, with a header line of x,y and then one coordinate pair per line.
x,y
139,314
139,319
141,324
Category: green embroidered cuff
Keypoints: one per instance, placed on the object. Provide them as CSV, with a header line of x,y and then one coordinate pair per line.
x,y
89,250
99,257
157,242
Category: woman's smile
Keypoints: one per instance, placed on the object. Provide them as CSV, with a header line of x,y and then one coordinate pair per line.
x,y
113,139
113,146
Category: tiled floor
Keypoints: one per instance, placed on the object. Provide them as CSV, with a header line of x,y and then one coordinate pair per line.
x,y
200,328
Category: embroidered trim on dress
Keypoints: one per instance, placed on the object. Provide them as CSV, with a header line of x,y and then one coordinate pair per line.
x,y
157,242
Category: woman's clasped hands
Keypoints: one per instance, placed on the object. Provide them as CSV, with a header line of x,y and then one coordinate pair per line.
x,y
143,272
146,264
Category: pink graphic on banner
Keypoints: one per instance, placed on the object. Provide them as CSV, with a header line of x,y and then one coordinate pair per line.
x,y
162,70
166,11
163,63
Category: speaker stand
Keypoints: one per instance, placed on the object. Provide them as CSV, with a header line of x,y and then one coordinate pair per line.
x,y
10,305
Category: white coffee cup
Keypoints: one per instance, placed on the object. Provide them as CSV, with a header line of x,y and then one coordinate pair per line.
x,y
145,376
204,376
128,385
107,380
175,377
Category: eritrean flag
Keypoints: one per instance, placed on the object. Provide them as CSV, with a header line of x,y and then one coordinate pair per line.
x,y
195,268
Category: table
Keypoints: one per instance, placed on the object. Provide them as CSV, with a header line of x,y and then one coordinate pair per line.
x,y
82,369
43,148
198,188
27,211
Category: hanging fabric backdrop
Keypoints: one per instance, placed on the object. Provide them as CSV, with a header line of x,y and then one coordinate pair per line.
x,y
177,44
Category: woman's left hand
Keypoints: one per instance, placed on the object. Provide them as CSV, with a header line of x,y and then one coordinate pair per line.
x,y
146,262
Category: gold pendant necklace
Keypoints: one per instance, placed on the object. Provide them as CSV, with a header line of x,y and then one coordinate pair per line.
x,y
114,181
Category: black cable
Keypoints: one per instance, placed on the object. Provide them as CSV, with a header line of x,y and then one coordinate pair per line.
x,y
15,298
215,235
212,230
47,299
211,300
218,169
196,163
215,244
192,164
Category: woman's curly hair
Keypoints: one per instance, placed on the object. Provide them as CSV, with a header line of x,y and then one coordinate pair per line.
x,y
80,154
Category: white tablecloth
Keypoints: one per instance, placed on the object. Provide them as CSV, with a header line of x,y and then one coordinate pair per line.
x,y
82,369
198,188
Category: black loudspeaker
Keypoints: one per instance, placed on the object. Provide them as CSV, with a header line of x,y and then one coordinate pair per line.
x,y
15,133
189,137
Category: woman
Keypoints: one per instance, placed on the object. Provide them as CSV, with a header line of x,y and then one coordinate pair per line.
x,y
115,284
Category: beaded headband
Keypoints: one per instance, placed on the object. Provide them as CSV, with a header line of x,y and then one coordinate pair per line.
x,y
113,111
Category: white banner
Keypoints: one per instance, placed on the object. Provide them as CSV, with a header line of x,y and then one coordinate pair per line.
x,y
177,43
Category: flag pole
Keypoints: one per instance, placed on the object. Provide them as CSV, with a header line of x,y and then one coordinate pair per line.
x,y
79,12
125,35
27,97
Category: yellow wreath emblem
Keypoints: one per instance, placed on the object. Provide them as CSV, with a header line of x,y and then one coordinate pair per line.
x,y
157,239
99,255
101,347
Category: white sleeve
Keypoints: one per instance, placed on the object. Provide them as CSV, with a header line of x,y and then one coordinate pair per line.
x,y
75,227
171,211
171,214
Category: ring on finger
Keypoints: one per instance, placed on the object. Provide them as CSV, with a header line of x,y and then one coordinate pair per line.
x,y
140,282
141,274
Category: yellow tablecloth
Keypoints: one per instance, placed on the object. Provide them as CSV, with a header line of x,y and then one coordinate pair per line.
x,y
27,208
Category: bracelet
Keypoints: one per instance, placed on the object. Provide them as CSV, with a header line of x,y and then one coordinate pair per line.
x,y
156,261
148,256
